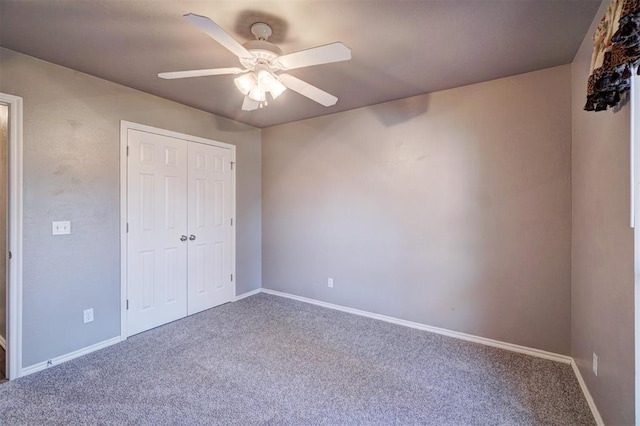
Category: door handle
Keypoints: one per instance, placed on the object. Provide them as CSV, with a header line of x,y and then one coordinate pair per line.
x,y
183,238
192,237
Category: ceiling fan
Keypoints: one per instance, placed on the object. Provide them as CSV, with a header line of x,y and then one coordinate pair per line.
x,y
263,63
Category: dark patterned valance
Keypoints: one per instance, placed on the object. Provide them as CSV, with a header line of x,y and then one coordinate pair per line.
x,y
616,52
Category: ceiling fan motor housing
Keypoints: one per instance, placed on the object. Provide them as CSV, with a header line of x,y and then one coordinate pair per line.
x,y
260,49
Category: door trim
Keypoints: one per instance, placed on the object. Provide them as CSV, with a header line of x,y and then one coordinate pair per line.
x,y
125,126
634,151
14,266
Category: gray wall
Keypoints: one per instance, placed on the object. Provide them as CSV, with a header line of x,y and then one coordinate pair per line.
x,y
451,209
4,144
71,171
602,261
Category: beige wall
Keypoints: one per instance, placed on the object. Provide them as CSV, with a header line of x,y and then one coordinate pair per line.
x,y
602,260
451,209
71,172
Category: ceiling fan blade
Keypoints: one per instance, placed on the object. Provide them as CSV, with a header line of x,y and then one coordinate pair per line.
x,y
249,104
216,32
200,73
334,52
306,89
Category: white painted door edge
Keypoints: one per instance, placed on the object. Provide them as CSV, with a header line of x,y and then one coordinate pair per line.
x,y
634,101
123,229
635,192
14,287
124,127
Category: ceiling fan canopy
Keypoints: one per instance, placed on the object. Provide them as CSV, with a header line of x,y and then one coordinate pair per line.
x,y
263,63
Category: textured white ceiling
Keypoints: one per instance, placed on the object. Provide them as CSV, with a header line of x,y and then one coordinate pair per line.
x,y
399,48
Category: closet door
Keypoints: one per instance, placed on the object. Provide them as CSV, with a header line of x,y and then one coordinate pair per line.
x,y
157,220
210,197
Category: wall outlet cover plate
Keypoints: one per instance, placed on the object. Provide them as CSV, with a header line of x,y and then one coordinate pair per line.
x,y
61,227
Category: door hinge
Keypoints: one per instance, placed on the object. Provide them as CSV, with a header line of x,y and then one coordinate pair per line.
x,y
232,164
127,226
127,150
10,255
127,304
231,277
231,221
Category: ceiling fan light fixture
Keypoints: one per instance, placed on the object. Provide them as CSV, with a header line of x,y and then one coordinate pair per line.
x,y
261,61
277,88
265,78
257,93
270,83
249,104
245,83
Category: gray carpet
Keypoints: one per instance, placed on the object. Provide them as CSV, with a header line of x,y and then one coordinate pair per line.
x,y
269,360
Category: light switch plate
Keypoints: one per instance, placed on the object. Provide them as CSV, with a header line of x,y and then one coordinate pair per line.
x,y
62,227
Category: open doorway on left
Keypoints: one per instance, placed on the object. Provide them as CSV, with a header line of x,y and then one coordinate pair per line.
x,y
4,143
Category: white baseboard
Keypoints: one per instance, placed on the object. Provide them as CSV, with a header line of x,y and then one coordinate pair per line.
x,y
68,357
3,343
455,334
84,351
587,394
247,294
463,336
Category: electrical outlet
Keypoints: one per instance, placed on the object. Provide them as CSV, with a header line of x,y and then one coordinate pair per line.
x,y
62,227
88,315
330,282
595,364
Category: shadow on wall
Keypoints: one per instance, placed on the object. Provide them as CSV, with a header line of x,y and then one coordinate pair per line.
x,y
401,111
230,125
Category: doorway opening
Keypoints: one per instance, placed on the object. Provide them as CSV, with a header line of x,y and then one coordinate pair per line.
x,y
4,184
10,236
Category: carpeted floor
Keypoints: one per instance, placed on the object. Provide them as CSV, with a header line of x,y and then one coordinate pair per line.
x,y
269,360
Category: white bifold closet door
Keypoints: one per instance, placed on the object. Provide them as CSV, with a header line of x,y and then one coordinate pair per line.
x,y
209,260
179,239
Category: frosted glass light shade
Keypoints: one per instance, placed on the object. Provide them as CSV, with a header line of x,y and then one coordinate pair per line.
x,y
257,93
245,83
277,88
257,84
269,82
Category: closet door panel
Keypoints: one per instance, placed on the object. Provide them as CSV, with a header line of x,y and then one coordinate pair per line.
x,y
209,212
157,219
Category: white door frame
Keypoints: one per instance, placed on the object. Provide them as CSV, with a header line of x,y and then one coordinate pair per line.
x,y
124,127
14,266
635,223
